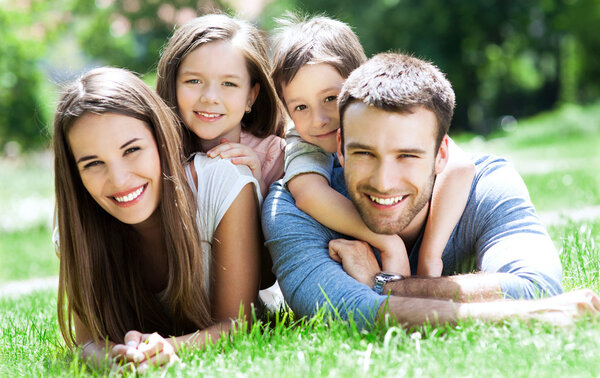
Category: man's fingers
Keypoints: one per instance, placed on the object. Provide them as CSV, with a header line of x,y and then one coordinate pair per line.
x,y
589,302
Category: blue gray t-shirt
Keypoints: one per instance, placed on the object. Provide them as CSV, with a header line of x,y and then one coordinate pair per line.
x,y
499,231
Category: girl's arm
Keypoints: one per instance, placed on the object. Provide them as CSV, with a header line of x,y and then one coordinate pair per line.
x,y
315,197
236,260
450,195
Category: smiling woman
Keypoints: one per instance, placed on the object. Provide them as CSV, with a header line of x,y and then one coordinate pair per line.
x,y
144,254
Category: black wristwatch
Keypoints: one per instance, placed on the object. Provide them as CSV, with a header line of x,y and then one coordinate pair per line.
x,y
384,277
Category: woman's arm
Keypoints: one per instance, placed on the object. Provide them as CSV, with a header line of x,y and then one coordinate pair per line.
x,y
315,197
93,353
450,195
235,249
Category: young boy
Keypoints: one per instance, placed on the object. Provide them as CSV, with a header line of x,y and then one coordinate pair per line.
x,y
312,59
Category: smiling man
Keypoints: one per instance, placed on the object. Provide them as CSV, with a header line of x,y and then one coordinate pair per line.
x,y
395,111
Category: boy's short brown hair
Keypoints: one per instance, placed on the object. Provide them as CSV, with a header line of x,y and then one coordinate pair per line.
x,y
399,83
320,39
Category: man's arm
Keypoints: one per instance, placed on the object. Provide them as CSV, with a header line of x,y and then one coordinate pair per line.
x,y
359,262
308,277
562,309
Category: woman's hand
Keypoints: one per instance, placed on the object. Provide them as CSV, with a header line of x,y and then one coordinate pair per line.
x,y
143,350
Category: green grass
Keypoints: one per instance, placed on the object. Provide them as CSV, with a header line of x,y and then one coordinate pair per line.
x,y
27,253
556,153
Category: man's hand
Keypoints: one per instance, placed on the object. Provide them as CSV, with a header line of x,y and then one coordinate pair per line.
x,y
357,259
564,308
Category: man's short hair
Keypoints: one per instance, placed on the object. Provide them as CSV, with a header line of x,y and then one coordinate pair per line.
x,y
302,40
399,83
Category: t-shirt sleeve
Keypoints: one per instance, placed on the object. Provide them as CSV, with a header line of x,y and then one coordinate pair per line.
x,y
509,236
219,184
303,157
308,277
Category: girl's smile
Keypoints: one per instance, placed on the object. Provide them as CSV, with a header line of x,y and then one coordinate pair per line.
x,y
214,91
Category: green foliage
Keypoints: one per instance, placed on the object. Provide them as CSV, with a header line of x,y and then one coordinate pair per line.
x,y
132,33
21,118
514,57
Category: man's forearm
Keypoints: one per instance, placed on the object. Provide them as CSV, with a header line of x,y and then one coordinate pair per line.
x,y
461,288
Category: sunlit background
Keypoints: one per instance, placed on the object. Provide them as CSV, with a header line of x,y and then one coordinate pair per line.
x,y
507,59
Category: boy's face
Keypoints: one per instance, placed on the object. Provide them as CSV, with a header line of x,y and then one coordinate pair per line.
x,y
311,101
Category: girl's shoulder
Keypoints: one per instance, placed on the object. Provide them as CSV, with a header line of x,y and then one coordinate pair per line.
x,y
264,145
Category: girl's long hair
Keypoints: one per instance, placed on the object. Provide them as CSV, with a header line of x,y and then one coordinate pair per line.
x,y
266,116
99,278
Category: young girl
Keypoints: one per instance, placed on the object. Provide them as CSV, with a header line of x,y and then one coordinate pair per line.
x,y
312,58
144,252
215,73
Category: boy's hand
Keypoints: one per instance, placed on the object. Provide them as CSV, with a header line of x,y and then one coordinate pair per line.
x,y
239,154
394,257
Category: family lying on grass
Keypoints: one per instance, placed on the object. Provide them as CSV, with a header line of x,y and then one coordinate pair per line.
x,y
159,196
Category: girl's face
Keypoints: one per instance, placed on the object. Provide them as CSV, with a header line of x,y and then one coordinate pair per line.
x,y
118,163
214,91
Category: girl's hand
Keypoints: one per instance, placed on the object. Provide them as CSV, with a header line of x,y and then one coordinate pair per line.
x,y
239,154
145,349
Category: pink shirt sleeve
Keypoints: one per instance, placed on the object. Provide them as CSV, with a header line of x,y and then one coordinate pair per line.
x,y
270,151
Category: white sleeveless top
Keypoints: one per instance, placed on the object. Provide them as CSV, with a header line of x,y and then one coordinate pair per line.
x,y
219,183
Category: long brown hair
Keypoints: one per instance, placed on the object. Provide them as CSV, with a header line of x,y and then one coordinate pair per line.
x,y
99,280
266,116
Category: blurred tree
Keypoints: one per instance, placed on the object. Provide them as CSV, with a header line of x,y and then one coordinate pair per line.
x,y
131,33
23,35
503,57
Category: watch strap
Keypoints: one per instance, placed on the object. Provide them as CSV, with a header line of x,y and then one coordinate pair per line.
x,y
384,277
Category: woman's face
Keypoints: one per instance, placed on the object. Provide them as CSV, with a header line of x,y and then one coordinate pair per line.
x,y
118,163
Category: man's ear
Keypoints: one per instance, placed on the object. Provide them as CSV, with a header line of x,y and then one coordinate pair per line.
x,y
441,159
340,148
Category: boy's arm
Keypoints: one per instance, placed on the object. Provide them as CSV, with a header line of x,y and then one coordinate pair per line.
x,y
314,196
450,195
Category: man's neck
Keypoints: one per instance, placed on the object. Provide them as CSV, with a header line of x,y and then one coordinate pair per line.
x,y
411,233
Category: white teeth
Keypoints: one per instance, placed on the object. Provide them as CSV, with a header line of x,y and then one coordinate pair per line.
x,y
209,115
131,196
386,201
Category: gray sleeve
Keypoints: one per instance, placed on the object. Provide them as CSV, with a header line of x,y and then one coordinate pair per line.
x,y
308,277
507,234
303,157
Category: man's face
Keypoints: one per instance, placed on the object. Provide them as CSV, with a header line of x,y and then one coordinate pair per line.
x,y
390,163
